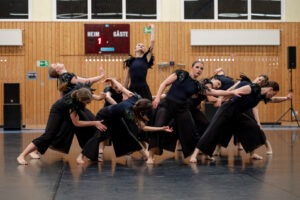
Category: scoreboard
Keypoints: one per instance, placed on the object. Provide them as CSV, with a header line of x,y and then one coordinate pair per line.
x,y
106,38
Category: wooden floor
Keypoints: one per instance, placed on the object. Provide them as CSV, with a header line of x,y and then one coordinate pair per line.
x,y
232,176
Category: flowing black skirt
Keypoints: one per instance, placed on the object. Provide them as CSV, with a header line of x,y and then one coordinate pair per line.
x,y
123,134
83,134
184,126
226,122
59,131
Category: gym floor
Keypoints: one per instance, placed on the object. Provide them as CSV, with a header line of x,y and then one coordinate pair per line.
x,y
232,176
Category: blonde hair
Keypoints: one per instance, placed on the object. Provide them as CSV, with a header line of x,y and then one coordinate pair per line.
x,y
52,72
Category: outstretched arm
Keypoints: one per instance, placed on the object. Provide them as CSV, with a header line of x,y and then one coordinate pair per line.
x,y
91,80
289,96
237,92
220,99
144,127
99,97
153,128
79,123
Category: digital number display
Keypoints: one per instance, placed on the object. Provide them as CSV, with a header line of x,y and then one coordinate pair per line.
x,y
106,38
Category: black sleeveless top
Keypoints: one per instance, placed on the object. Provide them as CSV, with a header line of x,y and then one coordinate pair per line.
x,y
66,78
226,81
249,101
138,69
184,87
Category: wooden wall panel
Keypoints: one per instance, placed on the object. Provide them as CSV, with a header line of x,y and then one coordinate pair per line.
x,y
64,42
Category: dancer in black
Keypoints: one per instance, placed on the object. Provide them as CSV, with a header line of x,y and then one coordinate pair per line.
x,y
124,121
66,81
61,124
112,96
138,66
175,106
230,118
194,103
227,81
260,80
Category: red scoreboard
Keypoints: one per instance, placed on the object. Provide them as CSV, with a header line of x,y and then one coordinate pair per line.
x,y
106,38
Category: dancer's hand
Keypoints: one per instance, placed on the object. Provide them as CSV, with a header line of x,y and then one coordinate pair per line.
x,y
289,96
100,126
155,102
167,129
101,72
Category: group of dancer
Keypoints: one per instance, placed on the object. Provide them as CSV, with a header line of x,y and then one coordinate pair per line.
x,y
134,120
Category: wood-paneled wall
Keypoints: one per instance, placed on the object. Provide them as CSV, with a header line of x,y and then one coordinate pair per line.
x,y
64,42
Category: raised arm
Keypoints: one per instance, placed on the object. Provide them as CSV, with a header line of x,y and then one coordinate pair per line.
x,y
152,41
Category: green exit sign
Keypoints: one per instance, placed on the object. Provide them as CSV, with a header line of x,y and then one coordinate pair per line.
x,y
147,30
42,63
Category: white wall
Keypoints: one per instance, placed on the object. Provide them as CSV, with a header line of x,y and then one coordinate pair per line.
x,y
292,13
41,10
170,10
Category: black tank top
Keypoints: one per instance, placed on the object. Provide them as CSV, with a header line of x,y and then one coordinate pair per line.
x,y
183,87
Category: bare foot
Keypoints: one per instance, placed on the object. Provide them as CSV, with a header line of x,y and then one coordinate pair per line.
x,y
145,154
211,158
21,160
34,155
256,157
193,160
240,147
150,161
80,159
269,152
217,151
100,157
